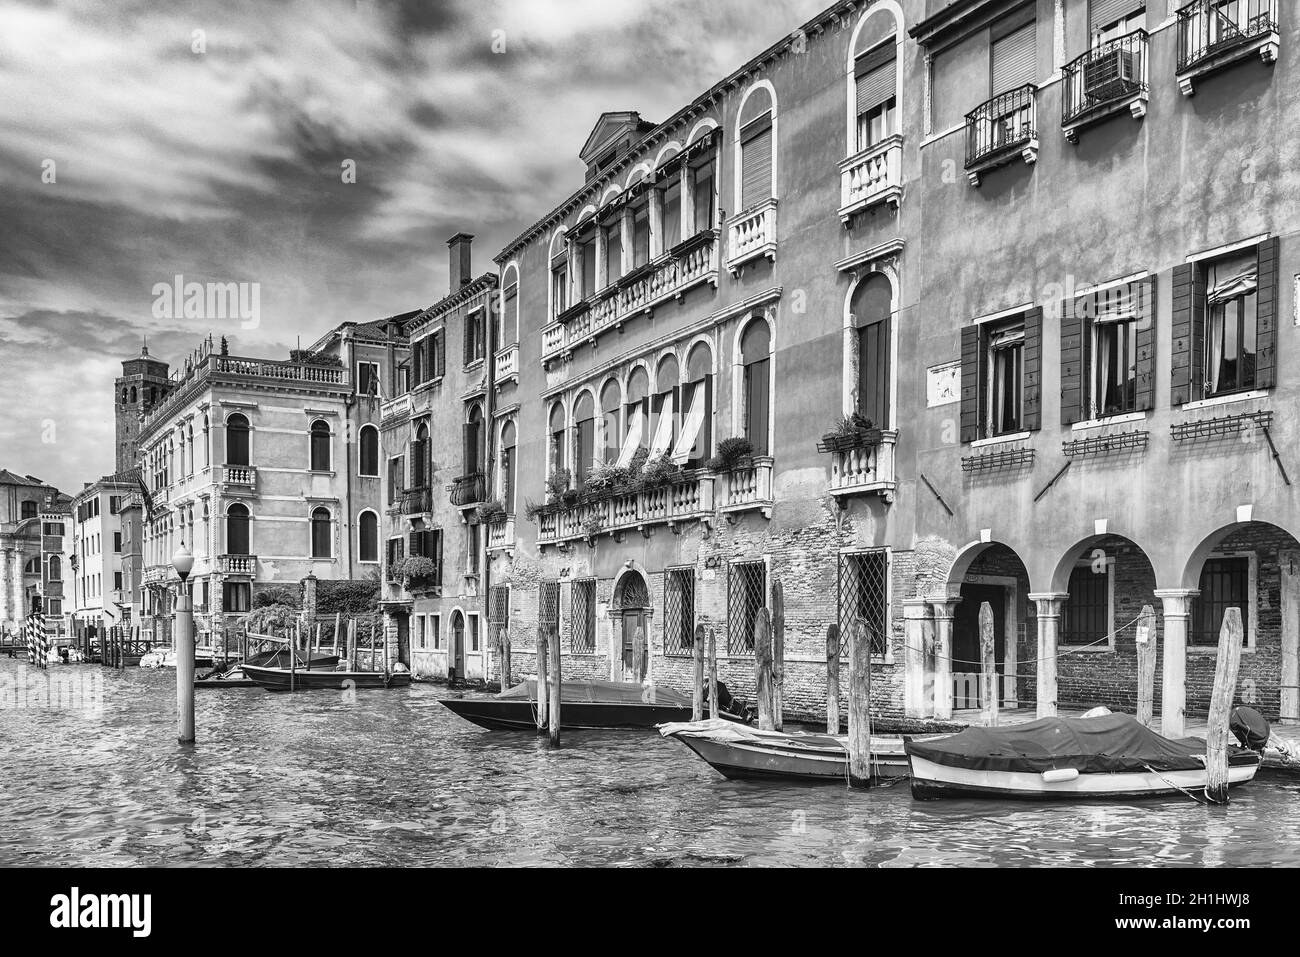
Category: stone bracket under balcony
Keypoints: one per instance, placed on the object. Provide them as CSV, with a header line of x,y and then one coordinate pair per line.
x,y
751,236
865,468
871,177
1002,130
1267,45
1136,104
1028,151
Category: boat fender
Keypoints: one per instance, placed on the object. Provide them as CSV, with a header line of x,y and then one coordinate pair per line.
x,y
1060,775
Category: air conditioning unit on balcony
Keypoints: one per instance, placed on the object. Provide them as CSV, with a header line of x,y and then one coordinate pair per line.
x,y
1111,74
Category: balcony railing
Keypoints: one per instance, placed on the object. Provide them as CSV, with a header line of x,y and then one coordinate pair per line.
x,y
872,176
866,468
417,501
1214,33
506,364
1103,81
687,265
237,564
270,369
749,487
245,475
501,533
751,235
1000,130
468,490
153,574
395,408
689,498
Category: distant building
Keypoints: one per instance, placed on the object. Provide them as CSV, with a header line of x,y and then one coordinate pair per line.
x,y
142,385
95,594
22,498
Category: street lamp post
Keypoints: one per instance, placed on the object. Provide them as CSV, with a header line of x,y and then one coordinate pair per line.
x,y
183,562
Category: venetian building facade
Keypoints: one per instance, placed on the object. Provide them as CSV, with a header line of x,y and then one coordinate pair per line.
x,y
264,468
23,560
96,593
913,313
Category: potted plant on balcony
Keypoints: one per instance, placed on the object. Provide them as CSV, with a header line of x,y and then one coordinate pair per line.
x,y
734,453
557,483
416,573
591,528
492,513
658,472
853,431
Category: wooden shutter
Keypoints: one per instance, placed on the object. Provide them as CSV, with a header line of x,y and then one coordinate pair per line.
x,y
1074,371
1014,57
415,545
756,162
970,379
438,345
1146,347
437,554
471,448
1266,315
417,363
1188,334
877,77
1103,13
1033,369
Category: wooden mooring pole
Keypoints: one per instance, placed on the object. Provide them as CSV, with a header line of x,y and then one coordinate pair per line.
x,y
697,695
543,695
763,668
505,656
556,685
1225,687
713,673
859,706
778,653
988,667
1145,640
833,679
638,655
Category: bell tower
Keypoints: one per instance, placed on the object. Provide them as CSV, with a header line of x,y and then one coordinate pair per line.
x,y
142,385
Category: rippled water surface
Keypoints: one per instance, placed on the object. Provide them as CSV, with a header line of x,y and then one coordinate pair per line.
x,y
393,778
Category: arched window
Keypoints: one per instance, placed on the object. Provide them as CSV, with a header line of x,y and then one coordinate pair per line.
x,y
663,408
320,446
555,426
508,466
420,457
584,438
368,534
636,406
611,398
320,533
33,566
189,437
237,452
56,568
368,451
694,446
237,530
755,142
133,396
508,328
475,438
870,314
755,357
873,80
124,395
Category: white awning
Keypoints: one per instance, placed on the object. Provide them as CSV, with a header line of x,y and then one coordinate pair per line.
x,y
691,424
635,426
663,431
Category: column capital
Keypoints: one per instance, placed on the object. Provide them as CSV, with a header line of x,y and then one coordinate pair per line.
x,y
1176,601
916,608
1049,603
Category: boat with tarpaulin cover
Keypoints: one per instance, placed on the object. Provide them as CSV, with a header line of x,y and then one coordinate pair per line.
x,y
585,705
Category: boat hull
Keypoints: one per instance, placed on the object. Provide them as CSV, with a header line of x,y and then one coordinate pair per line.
x,y
741,760
520,715
278,679
932,780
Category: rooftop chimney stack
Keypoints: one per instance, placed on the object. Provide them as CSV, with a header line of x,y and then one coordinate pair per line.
x,y
460,264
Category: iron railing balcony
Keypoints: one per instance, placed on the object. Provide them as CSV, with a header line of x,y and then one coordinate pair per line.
x,y
417,501
1215,33
1106,80
468,490
1000,130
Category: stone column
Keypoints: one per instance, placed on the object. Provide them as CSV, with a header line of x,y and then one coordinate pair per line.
x,y
5,614
1173,704
1049,630
1289,712
943,612
19,593
916,611
688,205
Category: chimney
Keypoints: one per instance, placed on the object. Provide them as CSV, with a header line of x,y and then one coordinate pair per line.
x,y
460,265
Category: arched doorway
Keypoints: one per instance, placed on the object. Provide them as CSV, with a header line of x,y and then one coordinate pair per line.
x,y
631,614
456,654
992,574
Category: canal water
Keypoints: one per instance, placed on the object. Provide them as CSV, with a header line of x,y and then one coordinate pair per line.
x,y
393,778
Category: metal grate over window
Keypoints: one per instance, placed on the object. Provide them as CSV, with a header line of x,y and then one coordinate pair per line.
x,y
679,611
499,604
1225,583
548,605
584,615
864,593
746,594
1087,607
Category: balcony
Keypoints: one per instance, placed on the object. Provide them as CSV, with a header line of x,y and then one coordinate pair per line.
x,y
417,501
865,467
685,266
505,365
501,534
684,500
751,236
872,176
398,408
240,475
468,490
156,574
748,487
1104,81
1213,34
1001,131
237,564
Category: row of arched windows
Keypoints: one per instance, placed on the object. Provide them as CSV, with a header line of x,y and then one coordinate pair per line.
x,y
239,450
238,539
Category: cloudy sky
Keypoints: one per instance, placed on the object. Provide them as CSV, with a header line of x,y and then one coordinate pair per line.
x,y
142,141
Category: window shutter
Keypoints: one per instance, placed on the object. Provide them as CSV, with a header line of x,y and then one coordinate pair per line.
x,y
467,338
437,555
1146,348
438,346
1266,315
877,78
415,544
1015,59
471,448
970,379
1188,334
1033,370
1106,12
756,163
1074,372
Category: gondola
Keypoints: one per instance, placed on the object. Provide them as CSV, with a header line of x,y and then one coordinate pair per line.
x,y
584,705
271,671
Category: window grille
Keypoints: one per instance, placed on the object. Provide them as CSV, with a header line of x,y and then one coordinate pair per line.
x,y
583,608
746,594
679,611
864,593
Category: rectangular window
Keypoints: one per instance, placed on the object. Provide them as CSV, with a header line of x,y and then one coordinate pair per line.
x,y
471,621
435,631
703,179
1087,611
236,596
114,504
396,479
117,541
670,202
1113,383
1231,327
582,613
475,334
864,594
52,528
472,549
368,378
419,631
756,162
1225,583
679,611
1112,19
1013,56
640,235
54,607
548,605
117,580
746,594
559,288
613,251
1004,379
587,256
876,78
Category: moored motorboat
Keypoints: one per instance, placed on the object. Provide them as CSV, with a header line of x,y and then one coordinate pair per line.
x,y
740,752
232,677
584,705
1111,756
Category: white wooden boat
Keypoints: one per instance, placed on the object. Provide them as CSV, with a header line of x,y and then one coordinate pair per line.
x,y
1111,756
